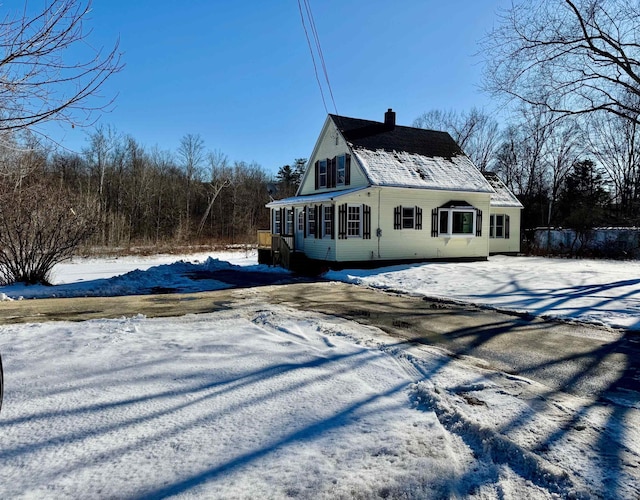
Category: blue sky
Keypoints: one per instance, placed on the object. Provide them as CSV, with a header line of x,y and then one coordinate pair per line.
x,y
240,74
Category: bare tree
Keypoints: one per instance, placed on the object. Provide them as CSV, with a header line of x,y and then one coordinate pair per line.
x,y
615,142
220,179
583,53
191,152
564,147
41,79
102,142
40,226
18,153
535,157
475,132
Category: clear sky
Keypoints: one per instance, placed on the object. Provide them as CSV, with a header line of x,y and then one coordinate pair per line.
x,y
239,73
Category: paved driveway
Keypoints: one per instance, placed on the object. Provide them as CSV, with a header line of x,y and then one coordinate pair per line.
x,y
578,359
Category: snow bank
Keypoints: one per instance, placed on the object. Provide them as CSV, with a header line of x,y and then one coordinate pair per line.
x,y
600,292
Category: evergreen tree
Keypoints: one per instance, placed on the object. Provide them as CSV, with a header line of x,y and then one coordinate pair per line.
x,y
584,199
288,178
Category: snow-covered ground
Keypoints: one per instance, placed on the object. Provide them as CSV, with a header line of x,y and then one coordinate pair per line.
x,y
263,401
601,292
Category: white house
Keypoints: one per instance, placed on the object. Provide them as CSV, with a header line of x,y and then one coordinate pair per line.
x,y
376,193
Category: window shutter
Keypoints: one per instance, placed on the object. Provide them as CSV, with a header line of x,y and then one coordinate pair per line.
x,y
304,212
478,222
366,222
506,226
331,172
434,222
397,221
282,220
317,171
318,214
342,221
418,218
332,211
347,169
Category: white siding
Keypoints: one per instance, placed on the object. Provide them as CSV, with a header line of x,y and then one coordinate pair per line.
x,y
396,244
511,244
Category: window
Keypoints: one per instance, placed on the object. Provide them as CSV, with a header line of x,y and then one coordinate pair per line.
x,y
456,222
333,172
353,221
322,174
408,219
276,221
340,170
327,220
499,226
288,227
311,221
301,221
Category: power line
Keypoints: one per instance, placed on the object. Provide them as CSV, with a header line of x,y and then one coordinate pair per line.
x,y
318,47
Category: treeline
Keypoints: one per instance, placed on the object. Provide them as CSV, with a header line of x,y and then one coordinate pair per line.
x,y
147,196
576,172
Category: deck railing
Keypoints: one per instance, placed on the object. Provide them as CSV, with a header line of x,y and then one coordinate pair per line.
x,y
264,239
281,249
280,245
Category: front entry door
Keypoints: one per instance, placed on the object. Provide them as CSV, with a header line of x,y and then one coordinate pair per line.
x,y
299,223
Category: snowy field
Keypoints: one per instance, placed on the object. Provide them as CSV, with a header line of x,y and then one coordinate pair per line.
x,y
262,401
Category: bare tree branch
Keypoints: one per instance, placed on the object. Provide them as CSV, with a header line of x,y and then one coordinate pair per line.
x,y
39,79
569,56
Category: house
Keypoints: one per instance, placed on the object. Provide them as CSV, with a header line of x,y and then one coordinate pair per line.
x,y
376,193
505,215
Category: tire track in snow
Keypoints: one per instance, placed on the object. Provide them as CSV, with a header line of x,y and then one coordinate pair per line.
x,y
488,446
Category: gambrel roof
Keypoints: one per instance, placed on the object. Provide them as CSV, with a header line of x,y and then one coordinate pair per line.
x,y
392,155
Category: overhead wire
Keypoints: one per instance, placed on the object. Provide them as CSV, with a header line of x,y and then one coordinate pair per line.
x,y
320,53
318,48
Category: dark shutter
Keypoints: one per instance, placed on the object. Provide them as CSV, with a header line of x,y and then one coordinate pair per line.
x,y
397,218
331,172
333,221
366,222
434,222
318,211
478,222
342,221
506,226
418,218
347,169
304,211
282,220
317,171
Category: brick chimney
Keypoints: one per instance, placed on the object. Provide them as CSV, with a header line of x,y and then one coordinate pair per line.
x,y
390,119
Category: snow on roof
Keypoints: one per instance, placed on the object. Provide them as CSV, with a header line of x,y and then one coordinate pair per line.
x,y
402,169
503,197
313,198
